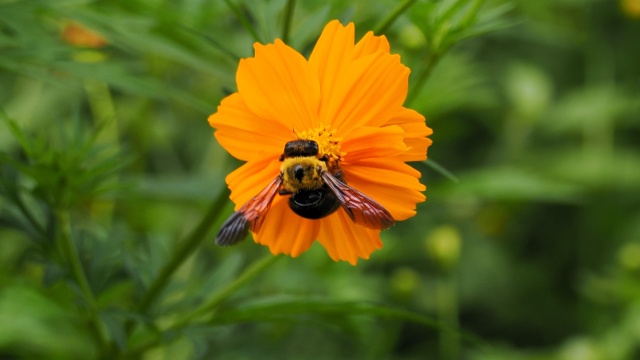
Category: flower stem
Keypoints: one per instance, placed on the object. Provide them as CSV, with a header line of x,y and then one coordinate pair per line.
x,y
391,18
180,255
243,19
447,304
104,116
214,301
288,15
185,249
442,170
71,255
430,63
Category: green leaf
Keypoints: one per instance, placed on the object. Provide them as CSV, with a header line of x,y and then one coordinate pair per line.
x,y
277,309
514,183
32,325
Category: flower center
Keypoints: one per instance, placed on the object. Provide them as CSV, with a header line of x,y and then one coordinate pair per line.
x,y
328,143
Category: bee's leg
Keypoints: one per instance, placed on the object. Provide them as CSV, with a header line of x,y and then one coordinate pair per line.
x,y
284,191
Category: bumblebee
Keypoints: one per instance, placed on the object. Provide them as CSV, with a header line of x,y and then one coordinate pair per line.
x,y
316,188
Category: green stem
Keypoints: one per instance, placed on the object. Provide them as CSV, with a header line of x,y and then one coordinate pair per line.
x,y
71,254
442,170
243,19
180,255
391,18
447,300
214,301
427,69
102,108
249,274
104,116
471,15
185,249
215,43
288,15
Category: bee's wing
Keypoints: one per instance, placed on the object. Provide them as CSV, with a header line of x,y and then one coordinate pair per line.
x,y
361,209
249,216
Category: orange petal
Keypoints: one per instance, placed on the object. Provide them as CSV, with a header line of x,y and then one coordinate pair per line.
x,y
370,44
249,179
238,130
332,52
415,132
417,149
285,232
278,84
390,182
369,92
345,240
368,142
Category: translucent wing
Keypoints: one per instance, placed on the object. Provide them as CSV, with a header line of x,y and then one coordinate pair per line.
x,y
249,216
361,209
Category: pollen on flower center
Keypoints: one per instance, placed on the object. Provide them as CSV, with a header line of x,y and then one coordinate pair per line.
x,y
328,143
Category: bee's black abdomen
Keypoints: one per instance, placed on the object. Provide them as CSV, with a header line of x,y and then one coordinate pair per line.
x,y
314,204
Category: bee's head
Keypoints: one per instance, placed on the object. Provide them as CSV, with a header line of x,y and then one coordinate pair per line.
x,y
301,148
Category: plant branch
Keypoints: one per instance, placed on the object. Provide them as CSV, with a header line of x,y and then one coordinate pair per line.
x,y
288,15
250,273
71,254
391,18
184,250
430,63
243,19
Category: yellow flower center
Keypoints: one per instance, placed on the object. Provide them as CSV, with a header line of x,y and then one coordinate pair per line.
x,y
328,143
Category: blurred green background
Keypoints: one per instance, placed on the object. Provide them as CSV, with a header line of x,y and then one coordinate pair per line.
x,y
528,246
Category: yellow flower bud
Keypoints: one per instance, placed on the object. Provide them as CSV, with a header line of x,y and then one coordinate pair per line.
x,y
443,246
411,37
629,256
404,282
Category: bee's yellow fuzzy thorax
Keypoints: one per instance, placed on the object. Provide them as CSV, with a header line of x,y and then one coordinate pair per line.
x,y
302,173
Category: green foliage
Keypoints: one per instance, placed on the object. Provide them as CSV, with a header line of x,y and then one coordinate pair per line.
x,y
111,186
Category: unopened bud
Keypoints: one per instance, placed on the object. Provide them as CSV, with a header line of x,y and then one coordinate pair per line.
x,y
629,256
443,246
404,282
412,37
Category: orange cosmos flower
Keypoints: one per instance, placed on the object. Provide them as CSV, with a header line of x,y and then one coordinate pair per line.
x,y
347,97
78,35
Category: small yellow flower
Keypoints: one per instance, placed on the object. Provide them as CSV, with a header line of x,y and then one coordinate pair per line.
x,y
348,98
